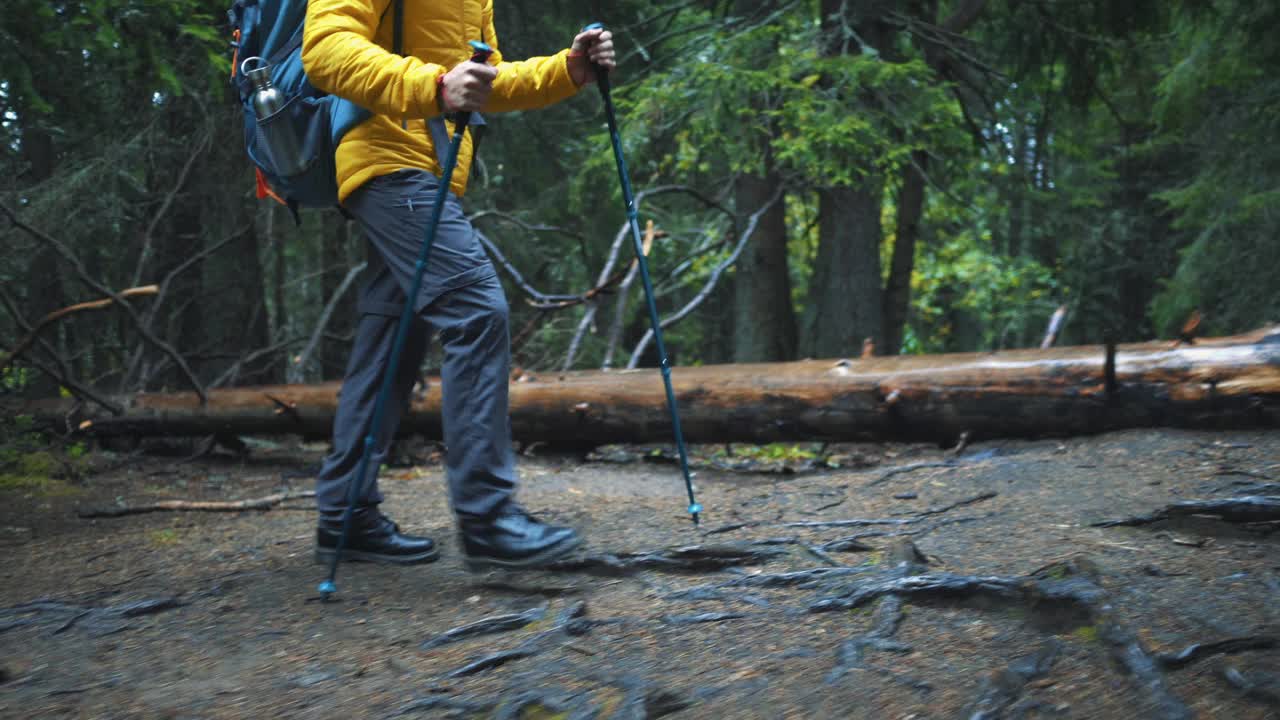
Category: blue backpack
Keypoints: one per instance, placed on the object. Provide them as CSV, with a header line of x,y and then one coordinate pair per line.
x,y
313,122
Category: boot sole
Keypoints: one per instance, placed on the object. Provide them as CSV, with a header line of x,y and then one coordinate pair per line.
x,y
325,556
546,557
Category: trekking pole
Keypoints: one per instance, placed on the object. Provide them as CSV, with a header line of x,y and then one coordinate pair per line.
x,y
357,481
602,79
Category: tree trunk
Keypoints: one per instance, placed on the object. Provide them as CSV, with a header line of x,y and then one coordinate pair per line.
x,y
1216,383
845,294
235,309
897,292
764,327
764,322
279,277
44,291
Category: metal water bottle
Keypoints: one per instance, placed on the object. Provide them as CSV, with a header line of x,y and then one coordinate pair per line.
x,y
267,98
277,139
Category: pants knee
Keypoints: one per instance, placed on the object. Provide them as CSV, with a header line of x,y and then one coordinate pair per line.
x,y
495,316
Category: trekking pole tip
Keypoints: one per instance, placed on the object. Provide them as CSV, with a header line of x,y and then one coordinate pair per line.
x,y
327,588
695,510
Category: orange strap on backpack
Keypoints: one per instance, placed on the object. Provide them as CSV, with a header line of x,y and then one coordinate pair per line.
x,y
264,190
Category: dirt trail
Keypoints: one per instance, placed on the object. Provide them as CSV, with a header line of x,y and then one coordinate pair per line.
x,y
213,615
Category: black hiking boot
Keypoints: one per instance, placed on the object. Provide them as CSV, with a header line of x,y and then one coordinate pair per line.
x,y
513,539
374,538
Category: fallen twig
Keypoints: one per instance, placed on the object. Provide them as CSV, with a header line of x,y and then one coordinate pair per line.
x,y
262,503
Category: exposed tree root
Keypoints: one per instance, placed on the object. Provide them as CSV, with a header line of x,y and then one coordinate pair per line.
x,y
1072,589
262,503
487,626
705,593
701,618
498,659
691,558
439,705
1243,509
1255,686
907,560
801,578
1200,651
729,528
981,497
891,472
99,620
917,517
1004,688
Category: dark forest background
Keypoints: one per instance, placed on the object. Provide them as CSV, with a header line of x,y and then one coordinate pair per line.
x,y
935,176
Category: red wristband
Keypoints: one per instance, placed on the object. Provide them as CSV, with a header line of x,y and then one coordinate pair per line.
x,y
441,102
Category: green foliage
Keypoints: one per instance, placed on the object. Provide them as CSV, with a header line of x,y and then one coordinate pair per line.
x,y
1218,98
773,452
31,463
14,379
967,276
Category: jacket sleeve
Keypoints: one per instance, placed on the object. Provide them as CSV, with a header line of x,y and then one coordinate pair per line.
x,y
526,84
341,58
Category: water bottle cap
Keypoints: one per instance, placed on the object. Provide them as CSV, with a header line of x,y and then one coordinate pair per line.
x,y
258,72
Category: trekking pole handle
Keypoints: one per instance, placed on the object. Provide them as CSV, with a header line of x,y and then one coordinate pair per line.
x,y
480,52
602,74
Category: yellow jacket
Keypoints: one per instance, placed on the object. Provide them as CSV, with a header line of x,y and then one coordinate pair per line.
x,y
344,51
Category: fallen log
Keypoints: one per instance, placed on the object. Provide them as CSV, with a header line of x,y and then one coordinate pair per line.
x,y
1216,383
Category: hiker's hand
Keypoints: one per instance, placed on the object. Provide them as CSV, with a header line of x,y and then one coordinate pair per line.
x,y
467,86
591,48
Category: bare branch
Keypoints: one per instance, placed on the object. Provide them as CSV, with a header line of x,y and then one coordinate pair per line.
x,y
964,16
87,279
150,316
650,234
537,295
63,373
233,372
149,236
711,281
299,365
59,314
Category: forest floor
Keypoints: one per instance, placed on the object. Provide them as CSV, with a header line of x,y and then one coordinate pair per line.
x,y
1015,606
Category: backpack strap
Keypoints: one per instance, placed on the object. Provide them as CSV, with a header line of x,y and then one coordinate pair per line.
x,y
397,30
436,128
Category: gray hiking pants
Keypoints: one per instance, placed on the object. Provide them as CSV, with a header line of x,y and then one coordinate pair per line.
x,y
462,300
